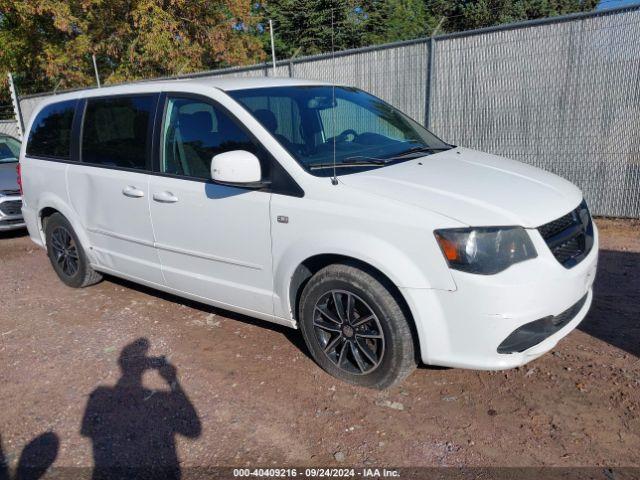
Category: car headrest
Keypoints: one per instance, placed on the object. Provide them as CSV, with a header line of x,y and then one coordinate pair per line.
x,y
267,118
196,125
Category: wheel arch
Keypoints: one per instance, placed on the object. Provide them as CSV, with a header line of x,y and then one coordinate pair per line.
x,y
51,205
310,266
43,216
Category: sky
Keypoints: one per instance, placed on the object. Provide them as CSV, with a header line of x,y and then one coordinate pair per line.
x,y
604,4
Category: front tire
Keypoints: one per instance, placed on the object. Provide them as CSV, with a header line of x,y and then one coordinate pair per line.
x,y
355,328
67,255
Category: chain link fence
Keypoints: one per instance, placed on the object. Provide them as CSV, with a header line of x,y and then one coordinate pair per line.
x,y
9,127
562,94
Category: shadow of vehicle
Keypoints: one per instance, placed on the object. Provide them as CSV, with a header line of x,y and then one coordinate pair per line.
x,y
292,335
21,232
615,314
35,459
132,428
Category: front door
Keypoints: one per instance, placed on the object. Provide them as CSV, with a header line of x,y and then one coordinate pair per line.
x,y
213,240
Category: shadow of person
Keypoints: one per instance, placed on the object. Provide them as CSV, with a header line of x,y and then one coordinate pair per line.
x,y
133,428
35,459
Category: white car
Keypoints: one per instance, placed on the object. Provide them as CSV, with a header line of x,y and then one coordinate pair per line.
x,y
314,206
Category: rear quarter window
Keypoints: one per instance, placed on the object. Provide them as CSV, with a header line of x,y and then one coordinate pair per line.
x,y
50,134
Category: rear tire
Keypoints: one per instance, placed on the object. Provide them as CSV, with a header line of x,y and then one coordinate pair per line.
x,y
67,255
355,328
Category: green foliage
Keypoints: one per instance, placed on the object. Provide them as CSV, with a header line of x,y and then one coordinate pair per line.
x,y
394,20
304,26
466,15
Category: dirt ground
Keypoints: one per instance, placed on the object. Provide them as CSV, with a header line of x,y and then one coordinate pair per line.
x,y
246,392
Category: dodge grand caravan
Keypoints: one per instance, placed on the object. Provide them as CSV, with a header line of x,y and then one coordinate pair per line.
x,y
314,206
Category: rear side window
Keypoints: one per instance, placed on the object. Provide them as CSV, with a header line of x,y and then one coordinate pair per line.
x,y
50,134
116,131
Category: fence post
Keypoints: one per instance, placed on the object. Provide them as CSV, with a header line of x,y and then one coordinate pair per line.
x,y
273,47
16,106
290,68
429,83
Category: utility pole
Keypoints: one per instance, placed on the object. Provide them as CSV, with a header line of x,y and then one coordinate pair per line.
x,y
95,69
16,106
273,47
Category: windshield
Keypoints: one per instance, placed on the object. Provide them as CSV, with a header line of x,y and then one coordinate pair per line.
x,y
365,131
9,149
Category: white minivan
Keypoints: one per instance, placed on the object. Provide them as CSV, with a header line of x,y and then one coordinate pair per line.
x,y
313,206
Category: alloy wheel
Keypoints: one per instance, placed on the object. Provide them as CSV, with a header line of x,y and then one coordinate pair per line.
x,y
349,332
65,251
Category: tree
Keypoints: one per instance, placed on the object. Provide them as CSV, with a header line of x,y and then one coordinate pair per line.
x,y
463,15
304,26
394,20
49,43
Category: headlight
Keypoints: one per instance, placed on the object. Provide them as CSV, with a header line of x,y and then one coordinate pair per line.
x,y
485,250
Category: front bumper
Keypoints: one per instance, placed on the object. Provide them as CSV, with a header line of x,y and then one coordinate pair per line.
x,y
10,218
465,328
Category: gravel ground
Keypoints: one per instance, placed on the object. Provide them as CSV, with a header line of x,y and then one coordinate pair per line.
x,y
87,366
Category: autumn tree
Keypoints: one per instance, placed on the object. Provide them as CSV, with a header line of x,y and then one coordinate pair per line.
x,y
49,43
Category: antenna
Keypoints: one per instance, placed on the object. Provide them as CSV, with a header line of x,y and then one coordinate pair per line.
x,y
334,180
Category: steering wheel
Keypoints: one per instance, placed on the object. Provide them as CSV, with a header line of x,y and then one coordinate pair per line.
x,y
348,132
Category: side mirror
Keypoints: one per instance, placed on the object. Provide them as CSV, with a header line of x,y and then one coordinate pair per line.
x,y
238,168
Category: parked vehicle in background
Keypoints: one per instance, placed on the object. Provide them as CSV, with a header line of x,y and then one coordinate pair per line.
x,y
10,196
313,206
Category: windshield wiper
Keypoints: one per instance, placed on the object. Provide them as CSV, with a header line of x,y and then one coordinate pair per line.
x,y
393,158
419,149
351,162
363,160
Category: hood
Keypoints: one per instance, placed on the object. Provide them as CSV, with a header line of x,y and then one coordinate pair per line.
x,y
8,176
475,188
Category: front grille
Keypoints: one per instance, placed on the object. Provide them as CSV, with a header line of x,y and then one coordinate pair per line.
x,y
11,207
552,228
9,193
570,237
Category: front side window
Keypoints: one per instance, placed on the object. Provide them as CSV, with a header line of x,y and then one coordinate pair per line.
x,y
50,134
116,131
315,122
194,132
9,149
